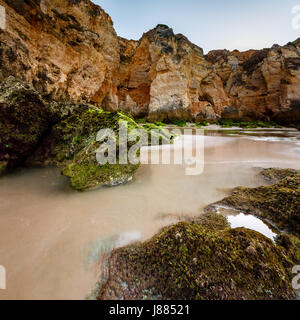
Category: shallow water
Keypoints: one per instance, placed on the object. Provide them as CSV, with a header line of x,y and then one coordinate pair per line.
x,y
51,237
238,219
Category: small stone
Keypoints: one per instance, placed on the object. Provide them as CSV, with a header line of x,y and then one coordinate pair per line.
x,y
178,235
251,250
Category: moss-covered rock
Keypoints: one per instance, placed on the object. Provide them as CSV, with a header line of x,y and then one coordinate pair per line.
x,y
72,134
73,144
78,134
278,203
24,121
200,260
85,172
211,221
291,244
229,123
274,175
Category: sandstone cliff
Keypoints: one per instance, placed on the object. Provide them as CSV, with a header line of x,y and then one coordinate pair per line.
x,y
166,76
262,84
69,51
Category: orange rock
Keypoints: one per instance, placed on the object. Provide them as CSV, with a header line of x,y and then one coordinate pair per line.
x,y
69,51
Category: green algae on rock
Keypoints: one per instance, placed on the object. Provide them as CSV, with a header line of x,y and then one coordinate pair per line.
x,y
23,122
42,133
229,123
85,172
278,203
291,244
192,260
77,130
71,135
73,144
274,175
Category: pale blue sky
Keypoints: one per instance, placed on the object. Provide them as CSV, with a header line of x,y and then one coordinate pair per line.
x,y
211,24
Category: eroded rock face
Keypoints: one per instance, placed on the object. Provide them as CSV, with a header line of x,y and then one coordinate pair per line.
x,y
262,84
167,77
24,121
69,51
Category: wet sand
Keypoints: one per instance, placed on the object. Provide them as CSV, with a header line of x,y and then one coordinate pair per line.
x,y
51,236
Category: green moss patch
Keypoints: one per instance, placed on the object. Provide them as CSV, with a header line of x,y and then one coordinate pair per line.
x,y
278,203
291,245
229,123
202,123
86,173
179,123
197,260
277,174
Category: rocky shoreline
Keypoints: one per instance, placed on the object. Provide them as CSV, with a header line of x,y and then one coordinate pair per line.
x,y
204,258
39,133
65,74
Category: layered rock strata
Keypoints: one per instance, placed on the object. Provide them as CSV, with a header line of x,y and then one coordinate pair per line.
x,y
69,51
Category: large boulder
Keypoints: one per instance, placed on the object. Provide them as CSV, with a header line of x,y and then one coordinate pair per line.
x,y
201,259
73,144
85,172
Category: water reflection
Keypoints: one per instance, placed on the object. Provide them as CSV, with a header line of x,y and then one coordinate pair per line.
x,y
50,236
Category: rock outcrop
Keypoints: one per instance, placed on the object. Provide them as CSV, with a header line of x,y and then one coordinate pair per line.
x,y
202,259
24,121
40,133
278,203
69,51
166,77
262,84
